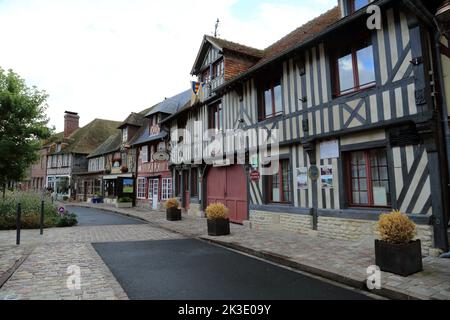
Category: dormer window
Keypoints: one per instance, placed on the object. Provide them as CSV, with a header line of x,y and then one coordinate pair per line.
x,y
125,135
58,147
218,69
355,5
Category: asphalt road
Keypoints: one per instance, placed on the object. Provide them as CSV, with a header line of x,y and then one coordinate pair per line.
x,y
91,217
194,270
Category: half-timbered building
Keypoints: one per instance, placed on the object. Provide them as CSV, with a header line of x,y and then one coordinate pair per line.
x,y
357,113
154,179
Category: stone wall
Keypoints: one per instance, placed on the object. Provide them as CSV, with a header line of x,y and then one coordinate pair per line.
x,y
330,228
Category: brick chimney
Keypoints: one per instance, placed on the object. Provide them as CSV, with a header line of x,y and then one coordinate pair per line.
x,y
71,123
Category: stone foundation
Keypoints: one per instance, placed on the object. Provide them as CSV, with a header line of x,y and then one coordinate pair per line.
x,y
330,228
145,204
266,221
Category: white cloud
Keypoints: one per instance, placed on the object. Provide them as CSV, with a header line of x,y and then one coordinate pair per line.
x,y
107,58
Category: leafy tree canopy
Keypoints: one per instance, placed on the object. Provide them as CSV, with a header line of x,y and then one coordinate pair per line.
x,y
23,125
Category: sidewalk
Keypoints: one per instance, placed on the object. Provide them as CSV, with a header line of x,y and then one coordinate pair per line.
x,y
340,261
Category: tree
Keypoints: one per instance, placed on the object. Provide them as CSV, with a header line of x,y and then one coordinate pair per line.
x,y
23,125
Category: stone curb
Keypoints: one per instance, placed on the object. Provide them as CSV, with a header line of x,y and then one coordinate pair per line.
x,y
281,260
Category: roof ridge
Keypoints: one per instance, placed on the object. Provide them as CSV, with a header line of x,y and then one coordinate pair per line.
x,y
234,42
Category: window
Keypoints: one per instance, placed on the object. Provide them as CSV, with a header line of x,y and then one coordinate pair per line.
x,y
166,189
144,153
355,5
65,161
279,185
58,147
218,69
142,185
216,117
125,135
368,179
355,68
270,99
194,183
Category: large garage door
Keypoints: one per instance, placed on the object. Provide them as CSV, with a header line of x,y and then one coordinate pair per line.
x,y
228,185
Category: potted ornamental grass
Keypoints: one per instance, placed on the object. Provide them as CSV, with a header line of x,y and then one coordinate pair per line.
x,y
218,221
397,252
124,202
173,210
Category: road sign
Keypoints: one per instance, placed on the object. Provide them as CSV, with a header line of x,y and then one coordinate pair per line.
x,y
255,175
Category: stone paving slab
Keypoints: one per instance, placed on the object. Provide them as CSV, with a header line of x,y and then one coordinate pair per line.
x,y
87,235
342,261
43,274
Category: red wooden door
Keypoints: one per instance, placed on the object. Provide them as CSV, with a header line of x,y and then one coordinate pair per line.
x,y
228,185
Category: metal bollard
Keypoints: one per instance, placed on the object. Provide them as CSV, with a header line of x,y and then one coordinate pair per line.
x,y
42,217
19,223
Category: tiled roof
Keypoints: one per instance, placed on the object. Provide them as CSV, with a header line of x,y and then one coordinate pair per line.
x,y
171,105
302,33
112,144
134,119
236,47
85,140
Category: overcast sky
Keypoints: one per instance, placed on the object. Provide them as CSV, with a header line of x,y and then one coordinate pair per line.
x,y
107,58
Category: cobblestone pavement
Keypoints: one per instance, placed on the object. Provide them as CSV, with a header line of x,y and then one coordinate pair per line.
x,y
44,273
340,260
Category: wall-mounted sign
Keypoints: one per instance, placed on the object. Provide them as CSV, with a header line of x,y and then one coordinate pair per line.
x,y
326,174
255,175
314,173
302,178
329,150
161,156
128,186
155,130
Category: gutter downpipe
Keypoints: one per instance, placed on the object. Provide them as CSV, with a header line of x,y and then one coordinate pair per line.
x,y
421,10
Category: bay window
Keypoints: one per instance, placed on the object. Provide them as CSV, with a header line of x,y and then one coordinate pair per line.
x,y
368,179
355,68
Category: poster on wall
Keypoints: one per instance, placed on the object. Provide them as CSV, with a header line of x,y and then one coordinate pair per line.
x,y
329,150
128,186
302,178
326,174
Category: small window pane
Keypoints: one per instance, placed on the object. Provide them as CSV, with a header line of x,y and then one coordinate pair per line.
x,y
268,102
366,66
346,78
278,99
360,4
364,198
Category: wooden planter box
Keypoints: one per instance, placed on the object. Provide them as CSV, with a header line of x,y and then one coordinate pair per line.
x,y
400,259
173,214
125,205
217,228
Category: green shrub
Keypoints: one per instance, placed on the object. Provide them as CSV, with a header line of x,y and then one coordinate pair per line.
x,y
125,200
31,206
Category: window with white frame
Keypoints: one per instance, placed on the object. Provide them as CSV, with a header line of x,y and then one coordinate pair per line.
x,y
141,192
144,153
166,189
